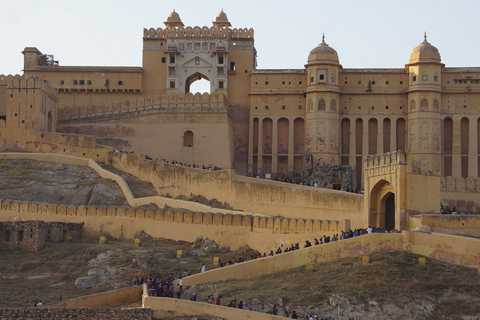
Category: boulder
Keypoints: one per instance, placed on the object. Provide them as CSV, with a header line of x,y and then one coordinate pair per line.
x,y
85,282
197,243
223,249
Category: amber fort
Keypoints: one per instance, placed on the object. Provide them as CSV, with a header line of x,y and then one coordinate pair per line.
x,y
409,136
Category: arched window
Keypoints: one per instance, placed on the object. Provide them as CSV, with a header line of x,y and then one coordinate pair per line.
x,y
424,105
435,105
310,105
321,104
333,105
49,122
413,105
188,139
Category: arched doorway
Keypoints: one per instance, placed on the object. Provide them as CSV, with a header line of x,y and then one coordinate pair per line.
x,y
382,205
390,211
197,82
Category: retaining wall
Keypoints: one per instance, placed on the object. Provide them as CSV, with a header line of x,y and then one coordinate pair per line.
x,y
111,298
451,249
170,308
447,223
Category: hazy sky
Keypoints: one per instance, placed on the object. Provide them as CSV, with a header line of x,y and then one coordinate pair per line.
x,y
365,33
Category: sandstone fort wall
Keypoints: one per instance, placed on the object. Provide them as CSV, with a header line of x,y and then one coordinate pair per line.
x,y
458,224
248,194
259,232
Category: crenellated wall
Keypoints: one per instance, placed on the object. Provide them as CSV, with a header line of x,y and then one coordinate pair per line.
x,y
235,230
197,32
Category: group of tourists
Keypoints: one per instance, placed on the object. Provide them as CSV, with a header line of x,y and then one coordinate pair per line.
x,y
188,165
327,239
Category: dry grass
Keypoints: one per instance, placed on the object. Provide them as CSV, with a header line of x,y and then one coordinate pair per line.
x,y
393,277
65,262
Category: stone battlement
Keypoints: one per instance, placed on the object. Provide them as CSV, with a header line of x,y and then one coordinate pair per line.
x,y
197,33
384,159
20,82
263,224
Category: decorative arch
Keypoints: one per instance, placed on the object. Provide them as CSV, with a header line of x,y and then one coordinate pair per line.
x,y
310,105
413,105
196,76
435,105
333,105
424,105
321,105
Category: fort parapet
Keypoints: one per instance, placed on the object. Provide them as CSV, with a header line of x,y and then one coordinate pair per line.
x,y
197,32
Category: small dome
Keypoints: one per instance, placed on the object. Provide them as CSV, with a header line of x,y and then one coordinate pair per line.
x,y
425,52
174,20
222,20
323,53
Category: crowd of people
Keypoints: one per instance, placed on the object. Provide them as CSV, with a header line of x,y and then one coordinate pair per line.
x,y
188,165
326,239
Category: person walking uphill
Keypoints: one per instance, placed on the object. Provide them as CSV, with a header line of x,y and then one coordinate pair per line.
x,y
203,268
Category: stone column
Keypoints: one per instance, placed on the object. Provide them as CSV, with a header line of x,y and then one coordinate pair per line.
x,y
380,135
291,143
472,148
393,134
274,145
456,152
260,145
250,144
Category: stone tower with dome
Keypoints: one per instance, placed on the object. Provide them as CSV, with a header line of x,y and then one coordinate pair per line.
x,y
322,96
424,97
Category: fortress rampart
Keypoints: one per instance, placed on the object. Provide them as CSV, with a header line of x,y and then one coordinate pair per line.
x,y
235,230
17,81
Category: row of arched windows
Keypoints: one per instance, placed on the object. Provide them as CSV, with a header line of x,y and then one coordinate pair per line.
x,y
321,105
424,105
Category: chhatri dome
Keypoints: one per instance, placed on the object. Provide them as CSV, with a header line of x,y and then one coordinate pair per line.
x,y
425,52
323,53
222,20
174,20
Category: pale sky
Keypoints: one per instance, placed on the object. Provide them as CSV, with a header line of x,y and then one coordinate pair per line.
x,y
366,34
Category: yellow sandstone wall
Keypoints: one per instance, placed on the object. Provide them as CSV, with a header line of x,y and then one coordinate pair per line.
x,y
248,194
450,224
101,300
447,248
168,308
260,233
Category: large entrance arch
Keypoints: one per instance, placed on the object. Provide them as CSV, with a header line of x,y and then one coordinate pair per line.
x,y
382,205
385,181
197,76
